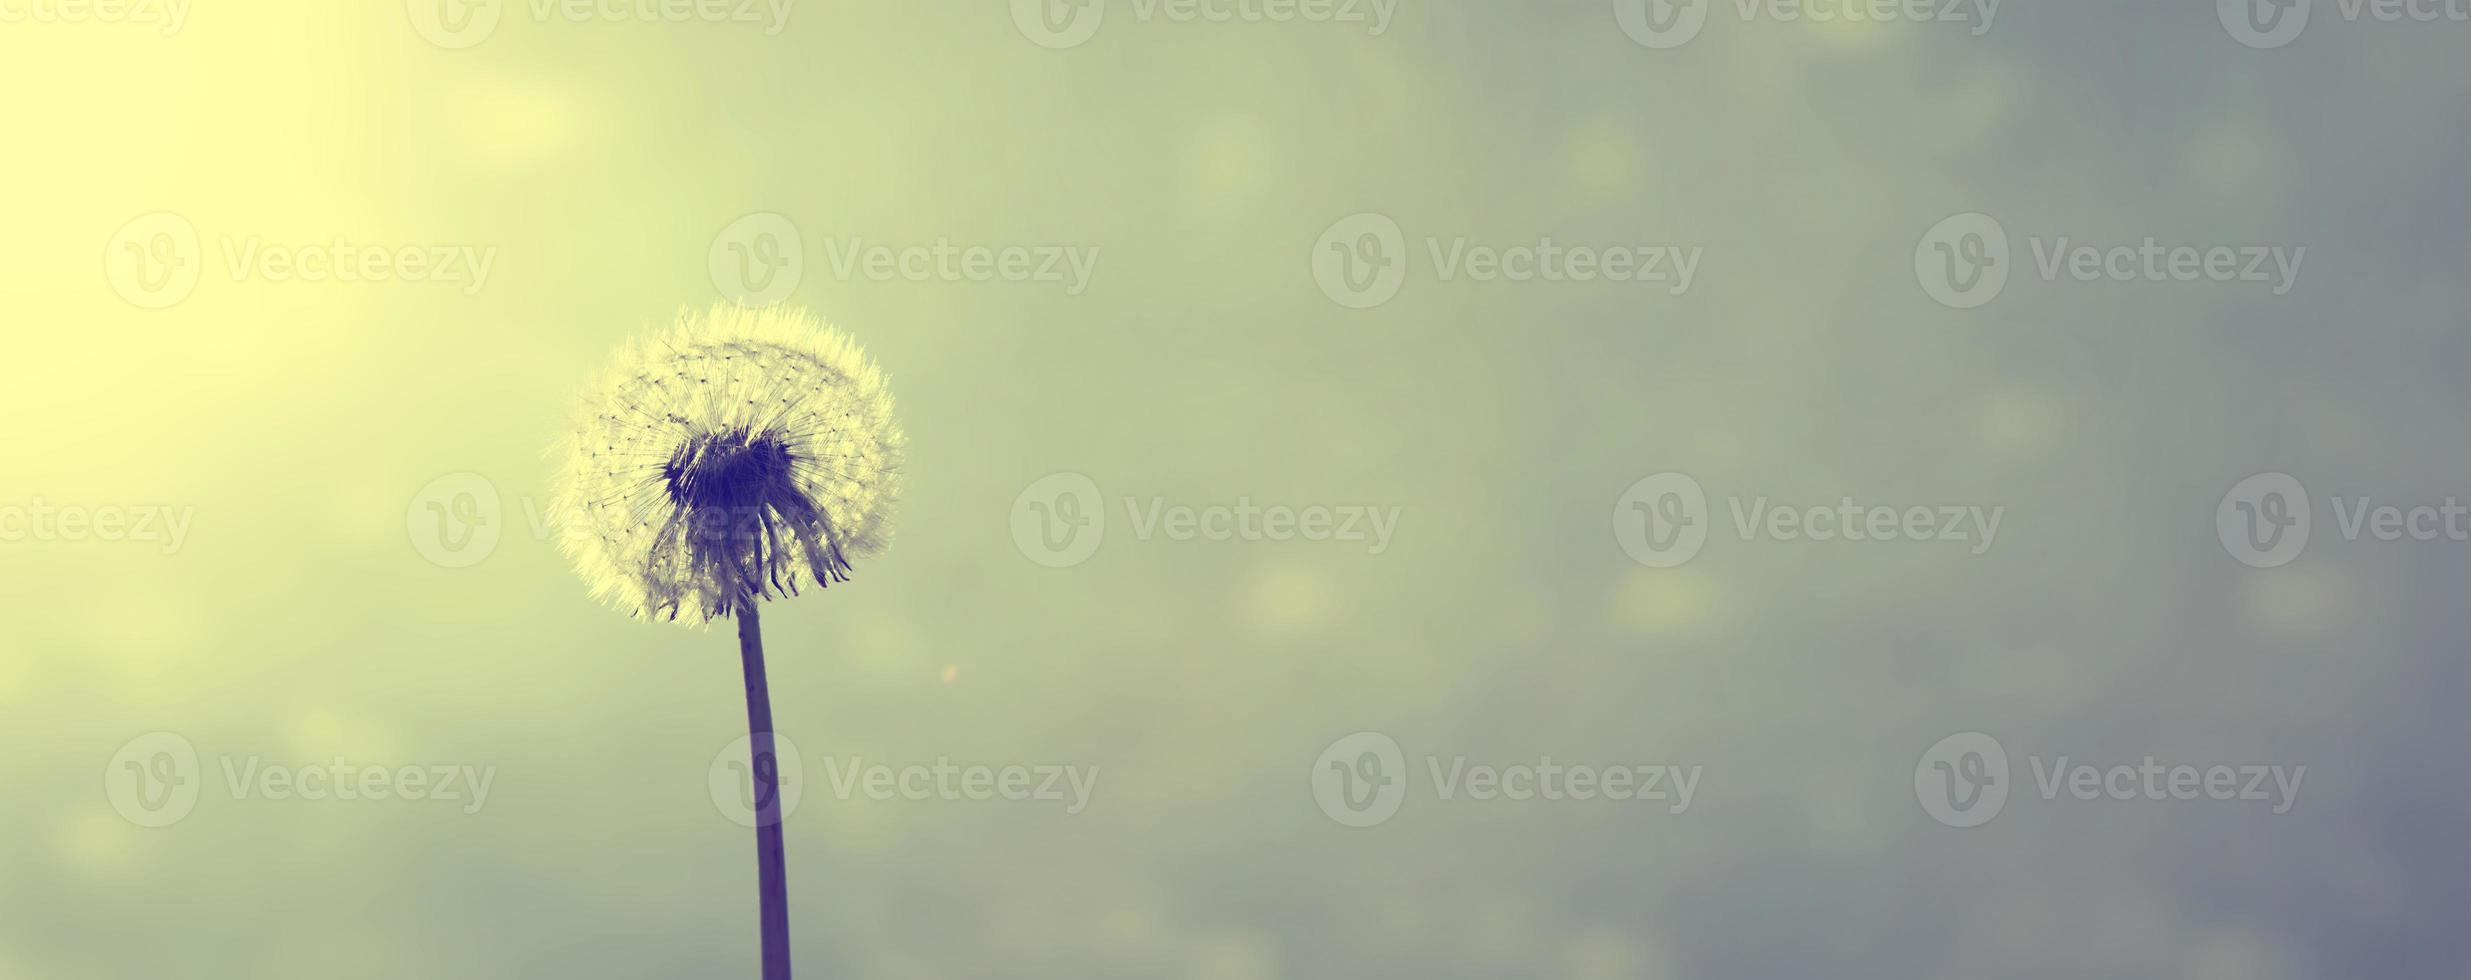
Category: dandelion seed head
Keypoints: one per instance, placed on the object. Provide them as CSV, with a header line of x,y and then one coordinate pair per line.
x,y
741,455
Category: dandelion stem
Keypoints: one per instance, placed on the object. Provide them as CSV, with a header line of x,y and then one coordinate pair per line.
x,y
771,861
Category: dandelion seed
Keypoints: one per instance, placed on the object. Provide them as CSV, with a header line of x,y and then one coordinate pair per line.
x,y
744,453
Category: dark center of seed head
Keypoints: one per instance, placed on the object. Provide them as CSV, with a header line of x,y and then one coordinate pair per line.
x,y
727,470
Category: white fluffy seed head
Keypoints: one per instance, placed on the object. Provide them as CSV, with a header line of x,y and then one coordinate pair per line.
x,y
731,459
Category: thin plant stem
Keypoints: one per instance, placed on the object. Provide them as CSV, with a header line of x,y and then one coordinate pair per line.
x,y
771,860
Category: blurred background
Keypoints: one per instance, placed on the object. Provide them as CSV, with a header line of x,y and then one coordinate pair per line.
x,y
295,298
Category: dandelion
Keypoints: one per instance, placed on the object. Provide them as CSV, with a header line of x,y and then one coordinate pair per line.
x,y
738,458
